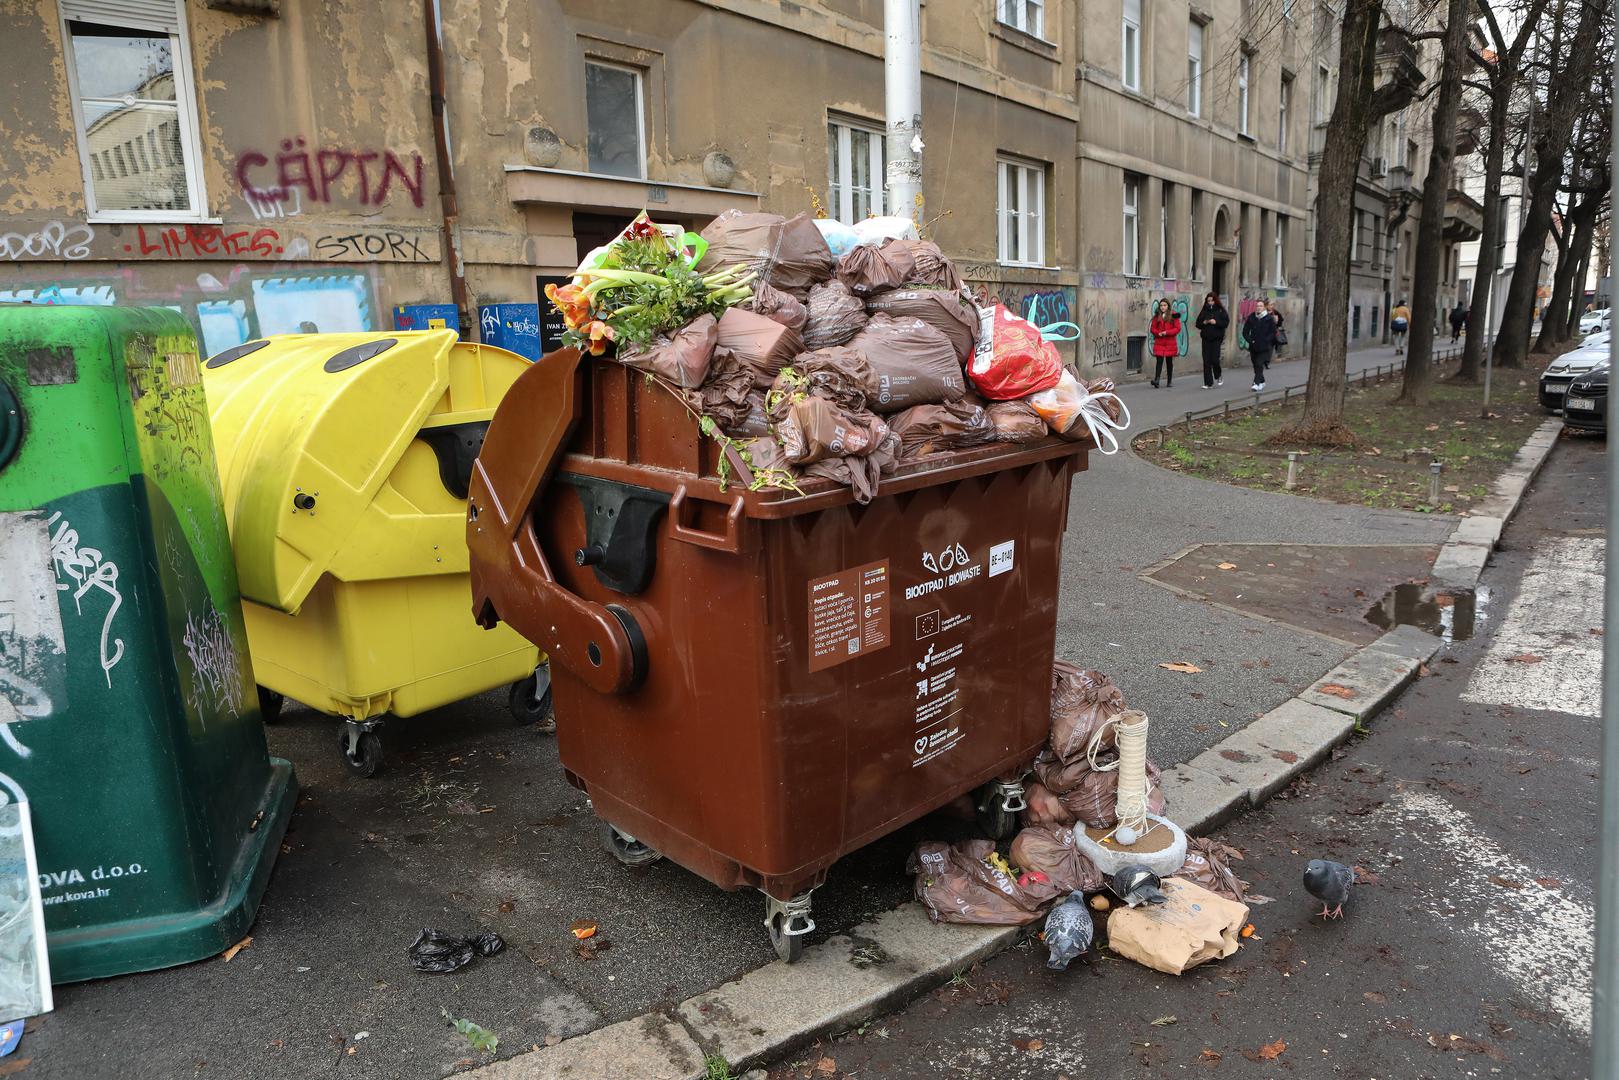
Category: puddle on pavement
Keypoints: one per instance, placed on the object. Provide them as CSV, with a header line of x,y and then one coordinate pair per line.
x,y
1452,614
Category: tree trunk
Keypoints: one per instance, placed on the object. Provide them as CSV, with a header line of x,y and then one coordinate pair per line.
x,y
1569,87
1353,113
1576,308
1554,320
1435,193
1489,255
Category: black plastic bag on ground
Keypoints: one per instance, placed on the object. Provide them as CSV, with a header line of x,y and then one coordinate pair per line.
x,y
437,951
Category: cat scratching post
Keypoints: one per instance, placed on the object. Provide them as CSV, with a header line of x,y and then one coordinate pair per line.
x,y
1139,837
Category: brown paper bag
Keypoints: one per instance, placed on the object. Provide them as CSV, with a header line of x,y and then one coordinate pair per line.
x,y
1195,926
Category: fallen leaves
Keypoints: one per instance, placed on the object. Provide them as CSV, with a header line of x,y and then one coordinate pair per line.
x,y
1029,1046
1268,1052
507,907
1375,997
230,954
1212,1057
1165,1021
1505,882
1332,689
1228,566
1548,883
1364,876
1524,658
1453,1042
1181,666
826,1066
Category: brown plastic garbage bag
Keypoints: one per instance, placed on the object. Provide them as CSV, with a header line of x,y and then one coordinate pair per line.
x,y
834,316
928,265
948,312
839,373
682,357
956,886
783,307
1089,796
914,363
1208,863
761,343
1050,850
1081,704
859,474
757,421
725,394
790,254
868,270
931,429
1193,927
812,428
1016,422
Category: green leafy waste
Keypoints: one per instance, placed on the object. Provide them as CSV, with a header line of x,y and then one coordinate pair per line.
x,y
480,1038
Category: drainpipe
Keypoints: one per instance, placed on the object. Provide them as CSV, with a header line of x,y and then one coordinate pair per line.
x,y
446,171
902,100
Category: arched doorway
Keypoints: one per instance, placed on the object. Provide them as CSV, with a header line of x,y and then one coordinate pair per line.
x,y
1225,250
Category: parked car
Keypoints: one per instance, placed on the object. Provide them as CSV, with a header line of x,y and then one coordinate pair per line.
x,y
1597,338
1564,370
1586,404
1595,320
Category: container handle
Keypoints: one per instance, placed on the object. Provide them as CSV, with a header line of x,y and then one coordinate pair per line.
x,y
729,541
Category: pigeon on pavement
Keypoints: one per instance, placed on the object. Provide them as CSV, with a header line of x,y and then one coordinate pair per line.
x,y
1329,882
1136,884
1068,931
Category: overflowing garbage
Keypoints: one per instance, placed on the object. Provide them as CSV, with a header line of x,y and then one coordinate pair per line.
x,y
1169,924
811,349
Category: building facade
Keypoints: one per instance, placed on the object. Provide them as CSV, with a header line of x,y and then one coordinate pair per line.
x,y
270,166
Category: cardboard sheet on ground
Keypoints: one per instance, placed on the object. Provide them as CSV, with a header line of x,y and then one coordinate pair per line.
x,y
1194,927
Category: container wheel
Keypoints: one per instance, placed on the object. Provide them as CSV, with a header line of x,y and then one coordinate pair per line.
x,y
789,947
625,848
364,757
529,707
270,704
995,821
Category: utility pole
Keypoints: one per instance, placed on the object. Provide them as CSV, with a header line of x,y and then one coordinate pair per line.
x,y
902,94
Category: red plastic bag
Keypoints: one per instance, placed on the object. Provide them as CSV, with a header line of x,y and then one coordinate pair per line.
x,y
1011,358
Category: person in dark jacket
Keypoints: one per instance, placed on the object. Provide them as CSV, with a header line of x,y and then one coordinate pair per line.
x,y
1281,338
1211,324
1458,319
1166,329
1260,330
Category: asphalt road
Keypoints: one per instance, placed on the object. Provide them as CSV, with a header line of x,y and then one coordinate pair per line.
x,y
1472,806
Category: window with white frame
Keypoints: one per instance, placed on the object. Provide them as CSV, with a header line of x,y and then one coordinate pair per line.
x,y
1323,94
134,108
1354,236
1132,225
1163,229
1028,16
1130,62
1193,208
1243,66
1284,103
615,126
1281,249
855,170
1022,213
1194,68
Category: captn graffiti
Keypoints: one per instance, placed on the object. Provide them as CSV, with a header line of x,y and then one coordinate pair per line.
x,y
370,173
88,570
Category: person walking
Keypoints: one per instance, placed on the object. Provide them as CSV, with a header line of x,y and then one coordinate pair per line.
x,y
1458,319
1281,335
1399,323
1260,330
1211,326
1166,329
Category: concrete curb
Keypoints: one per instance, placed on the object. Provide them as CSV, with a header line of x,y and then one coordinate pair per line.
x,y
899,955
1462,558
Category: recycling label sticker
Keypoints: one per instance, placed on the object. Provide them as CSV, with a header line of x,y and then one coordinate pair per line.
x,y
848,615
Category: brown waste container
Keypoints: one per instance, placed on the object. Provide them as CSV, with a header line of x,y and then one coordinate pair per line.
x,y
755,684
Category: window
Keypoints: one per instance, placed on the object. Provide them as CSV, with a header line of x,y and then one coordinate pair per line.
x,y
856,168
1354,236
1191,220
1132,225
1377,240
1323,94
1194,68
613,115
1022,212
1281,249
1130,63
1285,106
134,110
1028,16
1242,93
1163,229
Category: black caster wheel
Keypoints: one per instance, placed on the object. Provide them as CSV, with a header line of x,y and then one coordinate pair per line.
x,y
995,821
365,758
270,704
626,849
789,947
527,708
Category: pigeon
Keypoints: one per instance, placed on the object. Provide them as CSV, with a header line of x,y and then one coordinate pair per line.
x,y
1068,931
1329,882
1136,884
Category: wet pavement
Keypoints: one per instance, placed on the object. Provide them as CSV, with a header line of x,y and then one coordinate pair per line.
x,y
1466,950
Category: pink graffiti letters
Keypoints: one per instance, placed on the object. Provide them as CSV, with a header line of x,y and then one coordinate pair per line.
x,y
319,176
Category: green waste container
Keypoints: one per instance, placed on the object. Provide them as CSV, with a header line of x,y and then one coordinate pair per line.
x,y
128,710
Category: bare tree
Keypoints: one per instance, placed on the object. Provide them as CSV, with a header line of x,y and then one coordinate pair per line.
x,y
1587,190
1570,82
1435,193
1360,103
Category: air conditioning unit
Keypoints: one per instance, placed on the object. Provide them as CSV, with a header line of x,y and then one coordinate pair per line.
x,y
1380,166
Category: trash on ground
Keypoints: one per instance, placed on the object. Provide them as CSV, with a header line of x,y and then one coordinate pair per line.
x,y
478,1037
10,1036
436,951
230,954
1191,927
583,928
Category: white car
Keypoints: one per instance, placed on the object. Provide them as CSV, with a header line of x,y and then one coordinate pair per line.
x,y
1597,340
1565,369
1593,321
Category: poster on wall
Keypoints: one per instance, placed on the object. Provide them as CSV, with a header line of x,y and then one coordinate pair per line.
x,y
427,317
551,324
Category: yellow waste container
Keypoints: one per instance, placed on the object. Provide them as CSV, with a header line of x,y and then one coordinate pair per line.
x,y
344,460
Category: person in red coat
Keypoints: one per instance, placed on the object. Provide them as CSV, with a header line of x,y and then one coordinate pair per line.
x,y
1166,330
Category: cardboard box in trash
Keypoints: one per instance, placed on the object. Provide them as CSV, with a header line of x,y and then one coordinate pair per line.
x,y
1195,926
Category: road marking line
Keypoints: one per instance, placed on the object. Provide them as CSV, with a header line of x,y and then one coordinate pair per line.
x,y
1541,756
1558,603
1542,939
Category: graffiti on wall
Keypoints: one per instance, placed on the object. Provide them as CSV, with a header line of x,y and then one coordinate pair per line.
x,y
328,174
283,241
1100,332
52,240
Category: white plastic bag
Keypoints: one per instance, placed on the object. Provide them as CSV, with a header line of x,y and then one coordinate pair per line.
x,y
839,237
874,230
